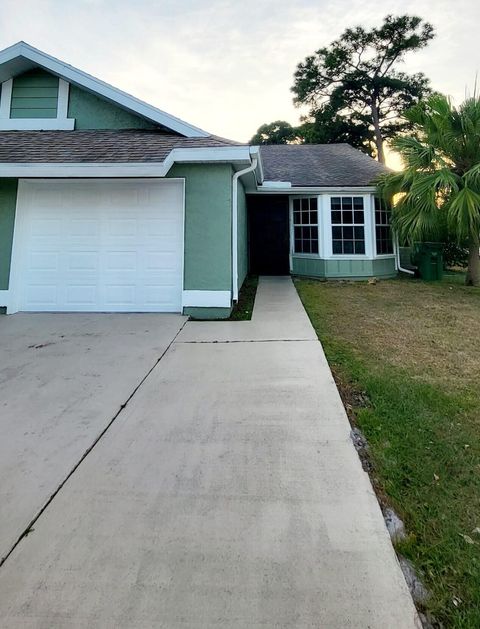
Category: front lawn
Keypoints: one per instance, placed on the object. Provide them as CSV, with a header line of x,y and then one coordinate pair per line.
x,y
406,356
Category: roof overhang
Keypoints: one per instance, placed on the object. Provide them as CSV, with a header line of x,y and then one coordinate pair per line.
x,y
22,57
237,156
287,188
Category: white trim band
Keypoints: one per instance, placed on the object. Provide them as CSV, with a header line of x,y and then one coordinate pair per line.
x,y
207,298
37,124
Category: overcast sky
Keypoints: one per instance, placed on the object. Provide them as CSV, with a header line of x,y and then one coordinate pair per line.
x,y
226,65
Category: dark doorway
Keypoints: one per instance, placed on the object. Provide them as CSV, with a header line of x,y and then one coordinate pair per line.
x,y
269,234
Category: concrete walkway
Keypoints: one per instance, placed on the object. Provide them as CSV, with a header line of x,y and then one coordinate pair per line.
x,y
226,494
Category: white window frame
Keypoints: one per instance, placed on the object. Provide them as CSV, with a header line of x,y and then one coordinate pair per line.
x,y
374,219
60,123
367,227
293,254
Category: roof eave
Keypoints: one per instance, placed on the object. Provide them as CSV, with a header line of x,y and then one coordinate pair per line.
x,y
22,50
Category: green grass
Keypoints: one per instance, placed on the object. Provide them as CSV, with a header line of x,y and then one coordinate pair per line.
x,y
412,350
242,311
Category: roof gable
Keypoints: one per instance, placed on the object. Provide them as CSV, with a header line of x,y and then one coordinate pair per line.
x,y
22,57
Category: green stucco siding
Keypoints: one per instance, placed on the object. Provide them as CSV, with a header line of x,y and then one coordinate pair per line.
x,y
92,112
207,313
208,199
34,95
8,201
242,238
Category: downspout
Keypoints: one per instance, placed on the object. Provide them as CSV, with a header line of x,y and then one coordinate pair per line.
x,y
398,266
235,179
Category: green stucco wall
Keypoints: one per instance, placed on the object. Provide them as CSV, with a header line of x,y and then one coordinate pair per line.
x,y
344,269
208,199
8,201
34,95
242,237
207,313
91,112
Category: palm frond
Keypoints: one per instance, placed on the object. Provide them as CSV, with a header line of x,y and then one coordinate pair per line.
x,y
463,214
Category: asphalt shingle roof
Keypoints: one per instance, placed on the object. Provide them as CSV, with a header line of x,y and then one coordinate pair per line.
x,y
318,165
96,146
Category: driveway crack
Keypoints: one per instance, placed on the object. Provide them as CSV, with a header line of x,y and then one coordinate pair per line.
x,y
30,527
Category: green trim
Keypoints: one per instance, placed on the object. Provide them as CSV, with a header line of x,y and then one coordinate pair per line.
x,y
92,112
8,202
34,95
207,313
208,225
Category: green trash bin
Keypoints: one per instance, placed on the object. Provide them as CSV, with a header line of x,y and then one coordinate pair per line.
x,y
428,257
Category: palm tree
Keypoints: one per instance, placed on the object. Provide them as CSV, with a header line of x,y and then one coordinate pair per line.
x,y
439,188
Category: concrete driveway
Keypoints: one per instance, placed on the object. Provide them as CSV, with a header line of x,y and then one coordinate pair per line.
x,y
63,377
226,494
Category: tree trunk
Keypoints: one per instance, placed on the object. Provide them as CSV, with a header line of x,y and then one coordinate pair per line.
x,y
377,132
473,271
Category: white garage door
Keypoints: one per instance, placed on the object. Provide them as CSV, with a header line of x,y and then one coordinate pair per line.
x,y
98,246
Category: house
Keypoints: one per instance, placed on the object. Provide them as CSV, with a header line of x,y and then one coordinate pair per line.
x,y
110,204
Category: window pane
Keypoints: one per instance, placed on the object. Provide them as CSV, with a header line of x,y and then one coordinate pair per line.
x,y
298,246
313,217
298,232
347,217
359,247
348,246
358,217
347,203
335,203
348,233
296,218
304,204
313,204
336,217
314,246
359,233
358,203
336,233
296,204
337,246
305,218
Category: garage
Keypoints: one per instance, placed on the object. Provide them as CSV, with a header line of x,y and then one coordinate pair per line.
x,y
98,245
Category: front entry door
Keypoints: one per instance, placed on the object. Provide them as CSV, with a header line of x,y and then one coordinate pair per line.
x,y
269,235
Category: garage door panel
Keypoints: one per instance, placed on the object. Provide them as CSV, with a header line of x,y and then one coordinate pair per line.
x,y
99,245
81,294
83,261
42,261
